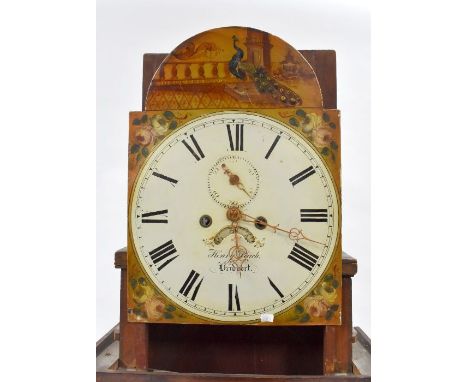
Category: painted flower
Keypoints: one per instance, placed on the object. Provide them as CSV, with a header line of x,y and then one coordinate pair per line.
x,y
154,308
312,122
159,125
144,136
327,292
316,306
322,136
142,293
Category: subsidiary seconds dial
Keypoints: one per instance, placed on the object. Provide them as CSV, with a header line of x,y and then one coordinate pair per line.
x,y
234,215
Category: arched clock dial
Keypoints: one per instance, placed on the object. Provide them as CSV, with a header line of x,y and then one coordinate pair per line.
x,y
234,215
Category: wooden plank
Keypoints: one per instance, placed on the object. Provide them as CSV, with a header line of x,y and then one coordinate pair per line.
x,y
161,376
363,339
151,62
133,336
324,64
106,340
337,350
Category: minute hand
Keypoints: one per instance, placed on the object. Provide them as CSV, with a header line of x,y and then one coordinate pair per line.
x,y
293,233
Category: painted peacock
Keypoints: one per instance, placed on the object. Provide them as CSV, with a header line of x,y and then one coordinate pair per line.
x,y
264,82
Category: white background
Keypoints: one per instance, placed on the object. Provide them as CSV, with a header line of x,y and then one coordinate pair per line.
x,y
418,187
127,29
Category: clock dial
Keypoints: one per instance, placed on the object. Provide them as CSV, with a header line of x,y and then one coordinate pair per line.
x,y
234,215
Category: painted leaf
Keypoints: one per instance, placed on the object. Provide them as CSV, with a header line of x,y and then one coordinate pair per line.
x,y
299,309
168,114
305,318
325,151
293,121
173,125
144,119
145,151
135,148
136,121
300,113
326,117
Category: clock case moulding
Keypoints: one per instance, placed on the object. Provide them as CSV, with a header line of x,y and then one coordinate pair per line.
x,y
204,75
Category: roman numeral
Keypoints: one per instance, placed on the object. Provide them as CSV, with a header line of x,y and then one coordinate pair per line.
x,y
189,283
149,214
165,177
192,151
272,147
303,257
314,215
236,298
275,288
239,143
162,253
302,175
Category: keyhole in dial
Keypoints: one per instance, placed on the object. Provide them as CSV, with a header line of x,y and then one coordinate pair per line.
x,y
205,221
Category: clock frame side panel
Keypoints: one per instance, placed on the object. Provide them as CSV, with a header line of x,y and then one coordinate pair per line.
x,y
322,304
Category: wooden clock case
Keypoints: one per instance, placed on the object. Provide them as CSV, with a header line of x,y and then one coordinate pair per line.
x,y
237,352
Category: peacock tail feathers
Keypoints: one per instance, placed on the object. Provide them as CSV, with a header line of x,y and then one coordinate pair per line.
x,y
264,82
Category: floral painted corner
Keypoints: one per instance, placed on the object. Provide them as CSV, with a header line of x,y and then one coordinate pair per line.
x,y
318,128
147,305
149,129
321,304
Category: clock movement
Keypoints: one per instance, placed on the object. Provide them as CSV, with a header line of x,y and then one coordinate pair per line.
x,y
233,263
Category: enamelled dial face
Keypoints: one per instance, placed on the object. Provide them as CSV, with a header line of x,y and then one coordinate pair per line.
x,y
234,215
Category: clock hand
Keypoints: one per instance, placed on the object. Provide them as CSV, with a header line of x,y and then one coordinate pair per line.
x,y
237,253
293,233
234,179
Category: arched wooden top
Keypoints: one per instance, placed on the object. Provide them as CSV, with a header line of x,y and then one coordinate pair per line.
x,y
233,68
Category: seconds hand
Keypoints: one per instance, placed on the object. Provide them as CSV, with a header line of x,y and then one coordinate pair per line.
x,y
234,179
